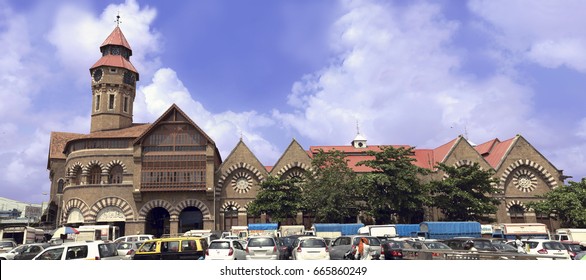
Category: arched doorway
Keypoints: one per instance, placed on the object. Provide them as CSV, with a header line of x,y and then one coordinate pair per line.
x,y
157,222
190,218
112,216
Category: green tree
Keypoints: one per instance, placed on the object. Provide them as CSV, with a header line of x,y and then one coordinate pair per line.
x,y
466,194
394,187
280,199
330,192
567,203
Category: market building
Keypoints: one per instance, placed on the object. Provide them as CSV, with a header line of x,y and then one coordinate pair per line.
x,y
168,176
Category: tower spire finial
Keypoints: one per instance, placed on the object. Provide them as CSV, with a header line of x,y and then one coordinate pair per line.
x,y
118,19
357,128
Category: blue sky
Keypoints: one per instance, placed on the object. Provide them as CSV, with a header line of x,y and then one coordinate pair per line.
x,y
408,72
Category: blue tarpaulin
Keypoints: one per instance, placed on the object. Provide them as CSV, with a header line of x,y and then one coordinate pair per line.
x,y
268,226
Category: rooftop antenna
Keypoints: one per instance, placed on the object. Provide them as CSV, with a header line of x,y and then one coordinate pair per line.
x,y
357,128
118,19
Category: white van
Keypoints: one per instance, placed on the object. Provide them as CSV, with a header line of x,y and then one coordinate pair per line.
x,y
84,250
134,238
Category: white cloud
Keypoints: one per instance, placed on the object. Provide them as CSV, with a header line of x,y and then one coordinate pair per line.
x,y
224,128
396,73
549,33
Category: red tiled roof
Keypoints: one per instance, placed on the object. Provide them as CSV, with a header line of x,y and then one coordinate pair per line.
x,y
440,152
485,148
496,154
424,158
57,143
116,38
131,132
269,168
116,61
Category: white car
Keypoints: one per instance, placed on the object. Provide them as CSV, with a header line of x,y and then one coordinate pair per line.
x,y
83,250
10,254
225,249
310,248
548,248
135,238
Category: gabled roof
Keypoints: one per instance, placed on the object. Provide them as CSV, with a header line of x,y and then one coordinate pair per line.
x,y
130,132
240,147
117,38
496,153
294,144
169,111
440,153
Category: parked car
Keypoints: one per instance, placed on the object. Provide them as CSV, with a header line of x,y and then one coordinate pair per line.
x,y
7,245
481,244
134,238
288,241
548,248
127,249
573,248
84,250
173,248
283,249
10,254
225,249
262,248
344,244
32,250
436,250
393,249
311,248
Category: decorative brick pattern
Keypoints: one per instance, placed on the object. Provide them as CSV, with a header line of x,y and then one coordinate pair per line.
x,y
72,204
111,201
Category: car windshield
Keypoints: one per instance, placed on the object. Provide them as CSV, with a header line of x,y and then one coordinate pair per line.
x,y
260,242
553,246
6,244
437,245
504,247
107,250
573,247
313,243
220,245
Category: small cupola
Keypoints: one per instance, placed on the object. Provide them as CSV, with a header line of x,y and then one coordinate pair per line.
x,y
359,141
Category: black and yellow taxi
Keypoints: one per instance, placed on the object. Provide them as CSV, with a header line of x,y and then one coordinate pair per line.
x,y
172,248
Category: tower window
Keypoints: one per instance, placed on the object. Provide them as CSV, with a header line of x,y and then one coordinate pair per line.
x,y
97,102
111,102
113,70
126,104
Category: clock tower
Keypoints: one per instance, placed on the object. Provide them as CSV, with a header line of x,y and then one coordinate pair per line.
x,y
113,84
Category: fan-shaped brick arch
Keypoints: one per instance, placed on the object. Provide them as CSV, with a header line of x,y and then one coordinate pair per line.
x,y
229,204
515,202
72,204
549,179
114,163
205,211
92,163
235,167
293,165
112,201
144,210
73,167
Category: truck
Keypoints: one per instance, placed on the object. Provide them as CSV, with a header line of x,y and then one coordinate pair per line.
x,y
525,230
23,234
97,232
381,231
335,230
292,230
571,234
447,230
240,231
407,230
263,229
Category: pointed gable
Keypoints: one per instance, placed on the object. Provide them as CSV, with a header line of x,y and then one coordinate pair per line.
x,y
241,153
173,115
440,153
485,148
293,156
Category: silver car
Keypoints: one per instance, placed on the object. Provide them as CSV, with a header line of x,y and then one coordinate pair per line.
x,y
262,248
349,243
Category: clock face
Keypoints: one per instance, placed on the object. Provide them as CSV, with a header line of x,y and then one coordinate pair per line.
x,y
116,50
97,75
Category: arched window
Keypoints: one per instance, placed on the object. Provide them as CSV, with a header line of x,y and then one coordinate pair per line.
x,y
95,175
517,214
77,175
230,217
60,185
115,176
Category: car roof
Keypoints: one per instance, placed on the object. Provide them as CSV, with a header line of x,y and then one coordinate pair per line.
x,y
223,240
309,237
175,238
